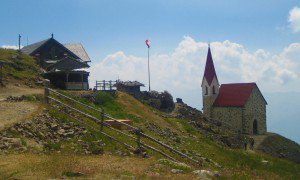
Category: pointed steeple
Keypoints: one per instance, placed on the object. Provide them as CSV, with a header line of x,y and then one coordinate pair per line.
x,y
209,72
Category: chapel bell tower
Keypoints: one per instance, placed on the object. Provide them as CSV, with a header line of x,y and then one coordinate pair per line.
x,y
210,85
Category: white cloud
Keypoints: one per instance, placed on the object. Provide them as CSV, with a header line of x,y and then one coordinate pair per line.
x,y
10,47
181,71
294,19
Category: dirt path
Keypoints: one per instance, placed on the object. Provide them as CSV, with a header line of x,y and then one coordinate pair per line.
x,y
12,90
12,112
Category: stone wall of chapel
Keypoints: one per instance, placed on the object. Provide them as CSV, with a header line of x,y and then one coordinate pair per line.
x,y
255,109
232,116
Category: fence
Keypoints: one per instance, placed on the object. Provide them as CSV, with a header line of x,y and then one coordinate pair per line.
x,y
137,134
105,85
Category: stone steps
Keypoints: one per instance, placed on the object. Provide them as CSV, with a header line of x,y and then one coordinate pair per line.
x,y
258,139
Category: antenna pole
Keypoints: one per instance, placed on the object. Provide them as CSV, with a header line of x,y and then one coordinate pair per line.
x,y
149,70
19,42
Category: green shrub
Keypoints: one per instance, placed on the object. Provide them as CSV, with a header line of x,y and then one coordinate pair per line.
x,y
52,146
102,98
29,98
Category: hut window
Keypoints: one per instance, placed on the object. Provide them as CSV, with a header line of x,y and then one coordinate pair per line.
x,y
206,90
214,90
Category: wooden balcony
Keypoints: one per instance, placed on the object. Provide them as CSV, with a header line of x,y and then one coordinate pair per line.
x,y
77,85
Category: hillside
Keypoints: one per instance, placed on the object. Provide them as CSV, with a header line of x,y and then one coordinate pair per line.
x,y
19,69
56,142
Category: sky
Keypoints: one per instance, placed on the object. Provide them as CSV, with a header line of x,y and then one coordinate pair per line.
x,y
251,41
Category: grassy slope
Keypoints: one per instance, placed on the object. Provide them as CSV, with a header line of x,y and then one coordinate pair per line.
x,y
278,146
21,66
236,163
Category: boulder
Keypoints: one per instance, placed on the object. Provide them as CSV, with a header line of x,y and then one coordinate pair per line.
x,y
176,171
206,172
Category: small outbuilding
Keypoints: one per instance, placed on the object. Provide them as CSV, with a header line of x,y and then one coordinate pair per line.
x,y
131,87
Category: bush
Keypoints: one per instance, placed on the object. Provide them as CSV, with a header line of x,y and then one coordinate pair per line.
x,y
52,146
167,102
162,101
103,98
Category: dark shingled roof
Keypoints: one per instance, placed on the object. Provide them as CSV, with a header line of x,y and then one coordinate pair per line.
x,y
234,95
67,64
79,50
75,50
130,83
209,72
32,47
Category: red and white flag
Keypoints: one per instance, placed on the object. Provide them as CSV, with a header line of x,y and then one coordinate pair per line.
x,y
147,43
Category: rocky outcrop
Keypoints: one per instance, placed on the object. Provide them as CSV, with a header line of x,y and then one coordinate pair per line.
x,y
48,132
165,133
162,101
183,111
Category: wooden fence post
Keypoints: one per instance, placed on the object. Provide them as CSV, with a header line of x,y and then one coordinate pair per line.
x,y
46,92
102,120
138,140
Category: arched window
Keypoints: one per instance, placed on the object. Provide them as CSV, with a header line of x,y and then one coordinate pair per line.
x,y
206,90
214,90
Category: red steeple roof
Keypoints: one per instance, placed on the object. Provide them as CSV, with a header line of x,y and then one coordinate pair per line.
x,y
209,72
235,95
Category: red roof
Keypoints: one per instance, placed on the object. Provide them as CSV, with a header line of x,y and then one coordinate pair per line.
x,y
235,95
209,72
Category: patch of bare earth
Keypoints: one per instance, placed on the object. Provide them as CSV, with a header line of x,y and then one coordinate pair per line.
x,y
18,90
12,112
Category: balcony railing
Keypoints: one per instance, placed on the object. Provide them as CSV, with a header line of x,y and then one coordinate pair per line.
x,y
77,86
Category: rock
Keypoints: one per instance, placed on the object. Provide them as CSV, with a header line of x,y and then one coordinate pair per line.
x,y
16,143
176,171
61,131
54,126
97,151
66,127
206,172
265,161
144,154
44,129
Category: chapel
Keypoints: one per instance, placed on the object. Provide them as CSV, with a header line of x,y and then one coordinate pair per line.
x,y
239,105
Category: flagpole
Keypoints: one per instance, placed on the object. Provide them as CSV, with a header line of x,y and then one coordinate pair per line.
x,y
148,70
